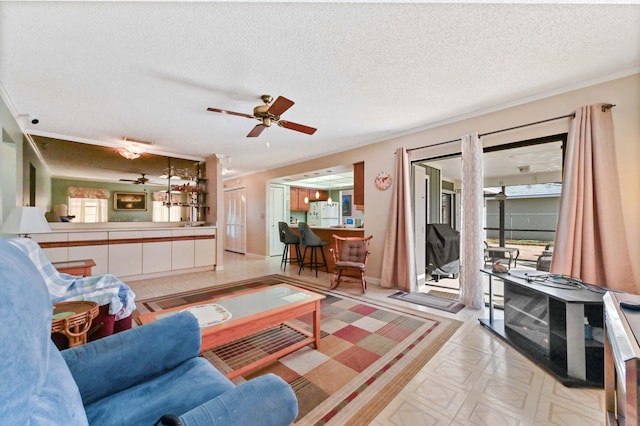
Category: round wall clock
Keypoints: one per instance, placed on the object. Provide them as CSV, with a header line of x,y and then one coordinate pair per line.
x,y
383,181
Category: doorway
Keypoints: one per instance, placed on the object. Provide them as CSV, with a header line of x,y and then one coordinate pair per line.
x,y
528,176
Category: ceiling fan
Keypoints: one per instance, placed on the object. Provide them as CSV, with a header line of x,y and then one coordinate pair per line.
x,y
268,114
140,180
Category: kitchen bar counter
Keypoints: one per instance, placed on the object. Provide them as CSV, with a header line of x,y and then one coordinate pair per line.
x,y
326,234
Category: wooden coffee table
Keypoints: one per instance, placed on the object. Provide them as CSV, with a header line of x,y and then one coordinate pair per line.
x,y
229,318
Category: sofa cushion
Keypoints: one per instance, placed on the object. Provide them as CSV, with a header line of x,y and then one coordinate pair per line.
x,y
117,361
37,386
187,386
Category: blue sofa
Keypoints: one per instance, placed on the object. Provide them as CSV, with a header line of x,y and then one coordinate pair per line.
x,y
130,378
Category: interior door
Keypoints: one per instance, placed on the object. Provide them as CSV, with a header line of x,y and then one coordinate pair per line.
x,y
235,212
276,214
420,219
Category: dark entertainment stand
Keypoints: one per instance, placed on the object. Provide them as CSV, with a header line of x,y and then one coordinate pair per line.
x,y
546,323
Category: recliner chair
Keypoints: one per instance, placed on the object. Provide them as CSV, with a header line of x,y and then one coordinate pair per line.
x,y
131,378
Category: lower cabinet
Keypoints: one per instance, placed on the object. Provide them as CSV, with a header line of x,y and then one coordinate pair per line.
x,y
131,253
55,246
90,245
182,248
205,247
156,251
125,253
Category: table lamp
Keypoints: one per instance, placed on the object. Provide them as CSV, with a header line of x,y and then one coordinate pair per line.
x,y
24,221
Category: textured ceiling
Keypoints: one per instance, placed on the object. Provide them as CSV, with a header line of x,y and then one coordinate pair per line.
x,y
359,72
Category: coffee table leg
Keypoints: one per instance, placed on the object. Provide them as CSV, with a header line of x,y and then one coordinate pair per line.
x,y
316,324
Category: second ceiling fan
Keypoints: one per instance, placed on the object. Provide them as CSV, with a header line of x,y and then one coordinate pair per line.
x,y
141,180
268,114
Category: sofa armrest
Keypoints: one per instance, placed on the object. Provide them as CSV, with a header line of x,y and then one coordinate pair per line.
x,y
123,360
265,400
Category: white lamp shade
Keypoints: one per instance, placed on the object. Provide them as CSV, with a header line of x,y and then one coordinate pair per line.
x,y
25,220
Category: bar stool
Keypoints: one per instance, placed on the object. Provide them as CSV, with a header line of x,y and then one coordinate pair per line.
x,y
310,240
288,238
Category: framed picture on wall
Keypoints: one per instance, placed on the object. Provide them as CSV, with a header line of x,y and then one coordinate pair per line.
x,y
346,205
131,201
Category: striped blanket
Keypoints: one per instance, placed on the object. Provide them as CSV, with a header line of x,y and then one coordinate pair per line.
x,y
103,289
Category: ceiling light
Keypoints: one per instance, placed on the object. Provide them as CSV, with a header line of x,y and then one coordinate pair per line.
x,y
136,149
129,155
306,197
132,149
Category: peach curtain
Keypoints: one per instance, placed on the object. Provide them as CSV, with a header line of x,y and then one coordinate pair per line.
x,y
471,241
399,260
590,241
80,192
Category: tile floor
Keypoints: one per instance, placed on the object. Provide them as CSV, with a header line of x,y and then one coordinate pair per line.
x,y
475,379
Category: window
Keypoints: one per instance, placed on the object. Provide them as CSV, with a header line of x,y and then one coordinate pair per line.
x,y
89,210
88,205
163,214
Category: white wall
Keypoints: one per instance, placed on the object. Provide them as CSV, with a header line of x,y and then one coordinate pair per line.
x,y
10,158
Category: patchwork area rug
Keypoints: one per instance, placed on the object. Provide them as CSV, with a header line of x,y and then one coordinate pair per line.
x,y
430,301
369,351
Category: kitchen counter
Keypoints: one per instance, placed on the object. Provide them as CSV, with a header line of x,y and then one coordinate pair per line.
x,y
326,234
122,226
330,228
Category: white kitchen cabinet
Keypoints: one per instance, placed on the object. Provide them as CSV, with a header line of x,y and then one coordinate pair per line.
x,y
156,251
57,250
125,253
91,245
182,248
205,247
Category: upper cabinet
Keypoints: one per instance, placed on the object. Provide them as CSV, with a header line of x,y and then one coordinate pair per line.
x,y
358,185
296,198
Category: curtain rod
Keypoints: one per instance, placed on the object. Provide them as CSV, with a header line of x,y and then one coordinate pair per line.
x,y
605,107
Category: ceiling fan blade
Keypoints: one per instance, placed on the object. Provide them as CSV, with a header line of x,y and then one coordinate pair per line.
x,y
223,111
280,105
255,132
297,127
128,180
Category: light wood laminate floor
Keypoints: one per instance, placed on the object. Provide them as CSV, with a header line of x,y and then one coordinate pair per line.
x,y
475,379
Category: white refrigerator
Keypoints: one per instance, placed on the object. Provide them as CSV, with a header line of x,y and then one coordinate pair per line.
x,y
324,214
